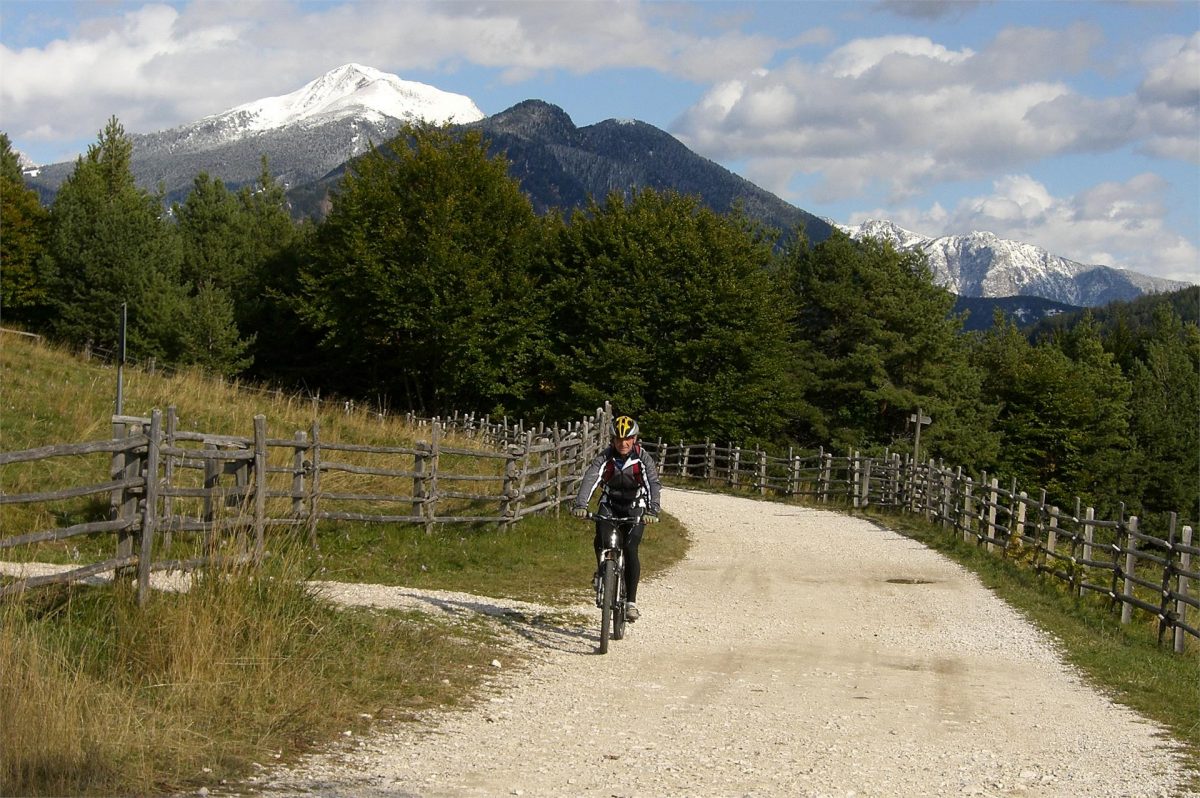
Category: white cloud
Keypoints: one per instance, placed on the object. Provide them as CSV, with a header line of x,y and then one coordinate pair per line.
x,y
1114,223
157,65
904,113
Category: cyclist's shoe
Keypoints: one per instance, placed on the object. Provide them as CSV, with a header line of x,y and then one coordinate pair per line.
x,y
631,612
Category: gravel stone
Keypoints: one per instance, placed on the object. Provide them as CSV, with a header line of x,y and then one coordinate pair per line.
x,y
794,652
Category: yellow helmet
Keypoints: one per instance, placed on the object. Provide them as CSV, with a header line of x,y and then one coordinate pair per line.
x,y
624,427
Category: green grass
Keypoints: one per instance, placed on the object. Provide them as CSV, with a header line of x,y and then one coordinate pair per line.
x,y
545,559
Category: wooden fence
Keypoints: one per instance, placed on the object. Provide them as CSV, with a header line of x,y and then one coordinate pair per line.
x,y
1136,569
226,491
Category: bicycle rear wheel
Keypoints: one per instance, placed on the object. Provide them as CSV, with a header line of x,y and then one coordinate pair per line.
x,y
608,600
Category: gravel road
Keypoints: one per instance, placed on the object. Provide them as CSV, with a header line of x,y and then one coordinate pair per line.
x,y
794,652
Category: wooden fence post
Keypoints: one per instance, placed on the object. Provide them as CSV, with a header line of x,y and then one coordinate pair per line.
x,y
116,499
149,509
734,463
558,464
790,486
1088,532
1052,532
855,476
968,509
1185,564
993,498
129,499
301,445
314,484
260,485
522,478
1018,534
1130,566
509,488
930,468
710,459
168,462
431,494
420,473
823,480
762,473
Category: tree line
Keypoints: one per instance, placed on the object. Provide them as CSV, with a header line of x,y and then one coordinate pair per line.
x,y
432,285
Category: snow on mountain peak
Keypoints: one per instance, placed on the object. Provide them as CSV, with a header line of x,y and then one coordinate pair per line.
x,y
354,89
983,264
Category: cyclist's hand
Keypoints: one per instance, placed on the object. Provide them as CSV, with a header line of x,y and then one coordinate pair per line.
x,y
649,519
579,512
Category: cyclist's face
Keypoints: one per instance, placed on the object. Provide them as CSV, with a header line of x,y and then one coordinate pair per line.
x,y
624,445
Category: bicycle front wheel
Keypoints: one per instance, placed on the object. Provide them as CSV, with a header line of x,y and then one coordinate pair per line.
x,y
608,600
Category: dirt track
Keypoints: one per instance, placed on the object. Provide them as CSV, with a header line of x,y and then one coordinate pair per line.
x,y
778,659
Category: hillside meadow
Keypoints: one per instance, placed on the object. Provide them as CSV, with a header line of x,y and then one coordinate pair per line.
x,y
249,666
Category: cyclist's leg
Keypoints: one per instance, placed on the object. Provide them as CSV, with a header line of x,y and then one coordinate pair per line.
x,y
603,528
633,566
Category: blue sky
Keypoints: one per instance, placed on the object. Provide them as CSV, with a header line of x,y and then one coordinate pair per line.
x,y
1071,125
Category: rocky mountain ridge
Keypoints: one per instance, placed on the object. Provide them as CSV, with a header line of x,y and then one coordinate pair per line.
x,y
981,264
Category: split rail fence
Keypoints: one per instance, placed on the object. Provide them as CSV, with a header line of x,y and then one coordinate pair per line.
x,y
222,492
163,482
1137,569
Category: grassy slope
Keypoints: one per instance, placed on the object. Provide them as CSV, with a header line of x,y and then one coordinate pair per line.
x,y
195,688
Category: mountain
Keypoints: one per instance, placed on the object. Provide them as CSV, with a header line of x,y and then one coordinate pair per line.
x,y
560,166
984,265
1024,311
304,135
310,135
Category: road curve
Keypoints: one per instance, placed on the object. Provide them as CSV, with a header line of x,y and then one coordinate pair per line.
x,y
794,652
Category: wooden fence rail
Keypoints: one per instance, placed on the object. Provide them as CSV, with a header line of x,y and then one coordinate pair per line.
x,y
226,490
1136,569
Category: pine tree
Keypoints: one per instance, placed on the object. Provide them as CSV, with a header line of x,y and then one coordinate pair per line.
x,y
110,245
1165,407
24,227
882,342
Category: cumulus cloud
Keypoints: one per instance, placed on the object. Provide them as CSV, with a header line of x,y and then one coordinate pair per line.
x,y
160,65
1170,96
1114,223
906,113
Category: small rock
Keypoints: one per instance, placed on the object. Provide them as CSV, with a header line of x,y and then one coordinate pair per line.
x,y
495,663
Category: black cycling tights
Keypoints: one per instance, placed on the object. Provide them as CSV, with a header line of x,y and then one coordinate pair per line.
x,y
633,566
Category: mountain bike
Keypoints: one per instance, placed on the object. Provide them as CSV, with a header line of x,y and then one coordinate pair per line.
x,y
610,579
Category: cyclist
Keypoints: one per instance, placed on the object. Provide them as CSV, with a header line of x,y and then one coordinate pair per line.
x,y
629,488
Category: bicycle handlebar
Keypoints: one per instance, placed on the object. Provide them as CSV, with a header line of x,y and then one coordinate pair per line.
x,y
623,520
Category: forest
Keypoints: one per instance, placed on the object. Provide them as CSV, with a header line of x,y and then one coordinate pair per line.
x,y
432,285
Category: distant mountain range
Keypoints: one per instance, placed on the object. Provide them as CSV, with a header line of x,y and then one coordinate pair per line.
x,y
984,265
310,136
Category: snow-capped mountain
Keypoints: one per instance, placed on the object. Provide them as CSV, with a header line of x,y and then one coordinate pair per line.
x,y
984,265
352,91
303,135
